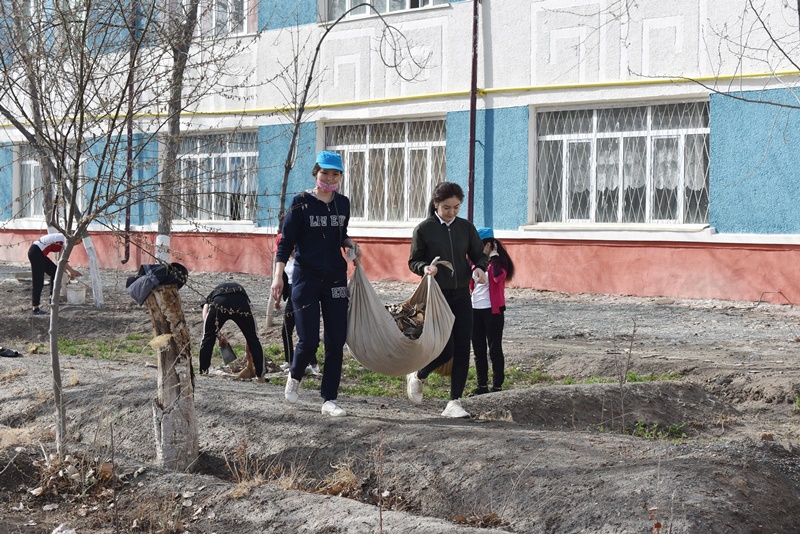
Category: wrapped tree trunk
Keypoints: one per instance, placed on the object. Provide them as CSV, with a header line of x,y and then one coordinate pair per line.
x,y
173,409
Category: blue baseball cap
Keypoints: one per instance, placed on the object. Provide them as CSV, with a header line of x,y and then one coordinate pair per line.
x,y
485,233
330,160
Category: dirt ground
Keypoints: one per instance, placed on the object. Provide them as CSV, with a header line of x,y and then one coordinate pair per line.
x,y
549,458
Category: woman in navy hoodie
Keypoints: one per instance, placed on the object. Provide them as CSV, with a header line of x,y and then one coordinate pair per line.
x,y
315,227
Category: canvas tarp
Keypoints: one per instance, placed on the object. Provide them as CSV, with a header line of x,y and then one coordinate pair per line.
x,y
376,341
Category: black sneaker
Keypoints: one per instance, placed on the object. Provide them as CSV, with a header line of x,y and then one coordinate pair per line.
x,y
495,389
480,390
37,311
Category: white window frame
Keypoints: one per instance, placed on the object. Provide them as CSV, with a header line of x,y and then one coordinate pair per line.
x,y
381,6
363,213
28,203
231,188
651,136
216,17
29,199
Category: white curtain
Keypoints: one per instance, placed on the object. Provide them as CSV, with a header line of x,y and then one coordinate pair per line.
x,y
666,164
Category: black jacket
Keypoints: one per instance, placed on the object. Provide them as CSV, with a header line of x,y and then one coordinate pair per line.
x,y
458,243
316,231
225,289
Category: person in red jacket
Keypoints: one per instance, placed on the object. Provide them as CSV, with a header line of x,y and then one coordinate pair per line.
x,y
41,264
488,314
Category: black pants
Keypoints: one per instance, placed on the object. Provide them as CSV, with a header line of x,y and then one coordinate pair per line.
x,y
309,295
287,332
40,264
288,329
236,308
457,346
487,327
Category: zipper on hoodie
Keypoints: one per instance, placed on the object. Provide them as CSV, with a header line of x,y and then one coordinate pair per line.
x,y
452,258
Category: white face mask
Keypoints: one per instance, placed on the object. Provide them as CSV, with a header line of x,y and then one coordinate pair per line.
x,y
327,188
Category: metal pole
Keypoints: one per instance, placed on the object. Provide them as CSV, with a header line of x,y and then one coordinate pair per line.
x,y
473,100
129,153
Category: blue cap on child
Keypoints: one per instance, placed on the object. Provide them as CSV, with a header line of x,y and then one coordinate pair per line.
x,y
330,160
485,233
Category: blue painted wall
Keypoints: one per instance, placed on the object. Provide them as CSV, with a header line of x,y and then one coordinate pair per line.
x,y
6,181
276,14
755,164
501,164
145,207
273,143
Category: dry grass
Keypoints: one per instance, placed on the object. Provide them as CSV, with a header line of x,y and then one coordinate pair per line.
x,y
14,436
343,482
249,472
72,380
158,516
12,375
293,477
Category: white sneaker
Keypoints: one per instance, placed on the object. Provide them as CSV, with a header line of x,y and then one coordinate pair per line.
x,y
414,388
454,409
333,409
313,370
290,392
285,366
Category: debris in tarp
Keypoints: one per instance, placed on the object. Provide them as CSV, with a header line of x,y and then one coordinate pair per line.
x,y
410,318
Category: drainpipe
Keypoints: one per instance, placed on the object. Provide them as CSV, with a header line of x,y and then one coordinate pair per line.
x,y
129,155
473,100
129,177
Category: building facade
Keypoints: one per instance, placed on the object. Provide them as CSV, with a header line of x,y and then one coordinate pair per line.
x,y
646,151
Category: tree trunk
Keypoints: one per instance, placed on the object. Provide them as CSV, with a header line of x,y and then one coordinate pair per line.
x,y
94,272
55,363
173,410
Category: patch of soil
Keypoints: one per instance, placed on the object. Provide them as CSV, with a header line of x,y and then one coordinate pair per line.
x,y
714,450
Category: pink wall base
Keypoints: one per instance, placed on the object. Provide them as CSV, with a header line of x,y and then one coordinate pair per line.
x,y
720,271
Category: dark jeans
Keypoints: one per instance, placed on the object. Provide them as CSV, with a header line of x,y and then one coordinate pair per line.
x,y
487,327
457,346
288,330
309,295
40,264
230,307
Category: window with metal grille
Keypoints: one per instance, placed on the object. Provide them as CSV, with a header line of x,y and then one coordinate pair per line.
x,y
219,177
646,164
390,168
228,17
221,18
335,8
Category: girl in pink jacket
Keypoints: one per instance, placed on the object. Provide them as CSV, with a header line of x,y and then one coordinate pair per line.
x,y
488,309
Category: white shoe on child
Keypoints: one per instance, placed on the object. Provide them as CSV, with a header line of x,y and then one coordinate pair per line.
x,y
454,409
334,410
414,388
290,392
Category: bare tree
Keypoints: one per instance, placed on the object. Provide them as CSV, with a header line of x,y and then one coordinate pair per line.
x,y
300,80
760,39
79,81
